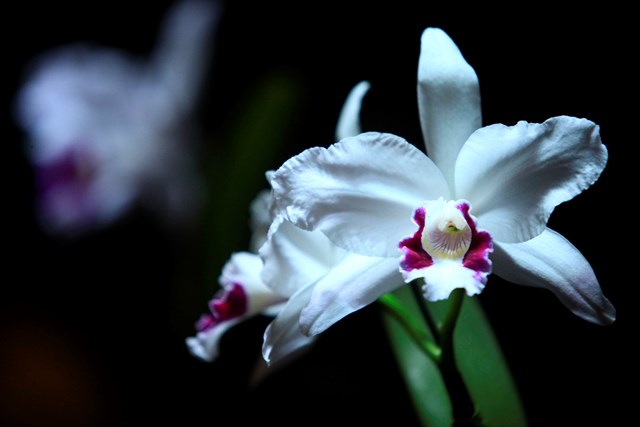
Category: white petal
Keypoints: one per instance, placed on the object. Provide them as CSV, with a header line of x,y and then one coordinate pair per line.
x,y
206,345
260,219
550,261
448,97
294,257
514,176
182,55
244,268
283,338
83,96
349,120
274,310
443,277
361,191
354,283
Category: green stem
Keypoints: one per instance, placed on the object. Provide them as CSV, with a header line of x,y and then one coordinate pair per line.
x,y
463,408
422,306
442,353
395,307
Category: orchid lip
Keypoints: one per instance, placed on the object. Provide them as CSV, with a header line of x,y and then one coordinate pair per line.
x,y
447,251
229,303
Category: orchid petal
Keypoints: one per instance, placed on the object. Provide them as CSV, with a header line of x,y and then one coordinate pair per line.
x,y
361,191
514,176
181,57
355,282
205,345
448,98
283,337
443,277
244,268
550,261
260,219
293,256
349,120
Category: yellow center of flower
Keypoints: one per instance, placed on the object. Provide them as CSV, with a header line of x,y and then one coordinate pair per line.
x,y
446,233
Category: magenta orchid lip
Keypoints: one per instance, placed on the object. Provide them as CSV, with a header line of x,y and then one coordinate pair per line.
x,y
447,251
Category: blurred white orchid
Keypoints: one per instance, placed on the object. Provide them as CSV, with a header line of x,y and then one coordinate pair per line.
x,y
107,131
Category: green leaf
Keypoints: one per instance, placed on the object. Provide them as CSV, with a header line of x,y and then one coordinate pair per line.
x,y
479,359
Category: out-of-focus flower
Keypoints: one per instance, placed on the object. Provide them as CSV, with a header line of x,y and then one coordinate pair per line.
x,y
363,191
107,131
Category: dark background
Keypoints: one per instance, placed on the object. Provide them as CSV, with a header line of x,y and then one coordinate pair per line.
x,y
92,330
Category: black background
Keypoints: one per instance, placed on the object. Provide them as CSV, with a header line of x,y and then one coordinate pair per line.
x,y
90,331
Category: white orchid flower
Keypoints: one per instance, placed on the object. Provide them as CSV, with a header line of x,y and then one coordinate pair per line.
x,y
480,202
243,295
107,131
274,283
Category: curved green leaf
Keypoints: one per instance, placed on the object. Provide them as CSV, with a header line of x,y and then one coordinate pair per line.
x,y
479,359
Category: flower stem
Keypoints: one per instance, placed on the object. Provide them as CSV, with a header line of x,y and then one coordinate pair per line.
x,y
433,328
441,352
463,408
395,307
